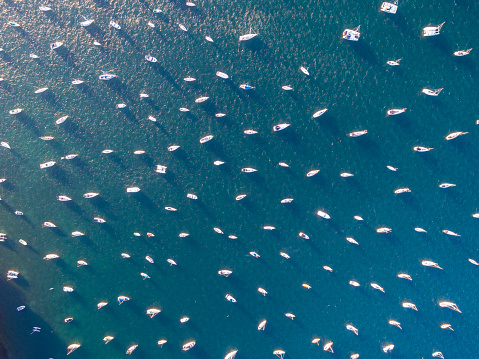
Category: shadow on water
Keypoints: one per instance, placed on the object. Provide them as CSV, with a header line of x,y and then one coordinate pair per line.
x,y
145,201
257,46
67,56
440,43
58,174
50,98
364,50
165,74
29,123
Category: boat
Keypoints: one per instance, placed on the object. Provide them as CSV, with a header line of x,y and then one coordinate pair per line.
x,y
3,237
63,198
304,70
209,39
115,25
248,170
391,168
222,75
131,349
438,355
182,27
378,287
184,109
149,234
23,242
96,43
358,218
72,347
450,233
352,35
262,291
122,299
240,197
160,169
389,7
151,58
282,164
40,90
352,240
284,255
139,152
47,164
352,328
230,298
11,274
49,224
161,342
108,339
287,88
290,315
44,8
189,79
191,196
86,22
144,95
247,87
453,135
409,305
13,24
404,276
171,209
315,341
388,348
61,120
250,132
262,325
219,114
172,262
184,319
51,256
396,111
201,99
18,213
206,139
107,77
125,255
231,355
152,312
121,105
402,190
269,228
450,305
56,45
5,144
432,30
15,111
81,263
77,234
20,308
473,261
287,200
384,230
319,113
447,326
254,254
150,24
189,345
346,174
431,92
394,62
69,157
183,235
33,56
422,149
329,269
279,353
281,126
149,259
90,195
328,347
357,133
47,138
447,185
323,214
248,36
419,229
157,11
68,289
427,263
133,189
173,148
462,52
225,272
395,323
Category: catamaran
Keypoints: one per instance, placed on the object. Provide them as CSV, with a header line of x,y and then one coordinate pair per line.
x,y
352,35
432,30
390,7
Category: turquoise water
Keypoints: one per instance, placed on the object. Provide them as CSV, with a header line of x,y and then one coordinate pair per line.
x,y
351,79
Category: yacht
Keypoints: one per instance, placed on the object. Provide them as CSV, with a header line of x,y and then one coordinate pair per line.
x,y
161,342
396,111
247,87
72,347
115,25
250,132
68,289
3,236
450,305
133,189
352,240
290,315
453,135
192,196
230,298
287,88
90,195
152,312
151,58
173,148
432,30
248,170
306,285
384,230
189,345
51,256
269,228
328,347
451,233
409,305
395,323
358,218
402,190
431,92
225,272
248,36
312,173
231,355
81,263
63,198
209,39
473,261
171,209
15,111
125,255
378,287
394,62
40,90
388,348
304,70
47,164
279,353
77,234
282,164
107,77
206,139
329,269
352,35
171,261
323,214
462,52
284,255
160,169
201,99
446,326
404,276
447,185
56,45
131,349
357,133
240,197
352,328
281,126
422,149
262,291
61,120
189,79
319,113
149,259
217,230
11,274
222,75
183,27
47,138
390,7
419,229
184,319
144,95
5,144
122,299
426,263
49,224
254,254
346,174
287,200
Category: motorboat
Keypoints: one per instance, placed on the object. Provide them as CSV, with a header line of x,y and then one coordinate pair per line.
x,y
247,87
269,228
133,189
319,113
23,242
47,164
18,213
287,200
222,75
254,254
230,298
150,24
149,259
192,196
388,348
47,138
279,353
402,190
446,326
72,347
33,56
183,235
171,209
86,22
90,195
395,323
248,170
13,24
56,45
20,308
409,305
287,88
184,319
131,349
394,62
161,342
290,316
352,328
473,262
41,90
173,148
144,95
453,135
182,27
15,111
462,52
220,114
160,169
450,305
327,268
69,157
352,35
304,70
49,224
357,133
378,287
201,99
250,132
11,274
323,214
61,120
3,237
121,105
44,8
431,92
151,118
240,197
122,299
404,276
107,77
450,233
218,163
77,234
282,164
346,174
96,43
81,263
358,218
115,25
145,276
432,30
281,127
389,7
5,144
77,82
352,240
171,261
284,255
248,36
152,312
151,58
206,139
447,185
107,151
68,289
262,291
419,229
108,339
157,11
384,230
328,347
427,263
63,198
422,149
225,272
189,79
209,39
189,345
396,111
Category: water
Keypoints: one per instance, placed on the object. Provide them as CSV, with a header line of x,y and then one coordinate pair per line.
x,y
351,79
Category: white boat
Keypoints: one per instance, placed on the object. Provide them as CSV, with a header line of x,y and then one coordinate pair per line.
x,y
157,11
315,341
422,149
44,8
427,263
269,228
450,305
249,36
139,152
389,7
352,35
152,312
191,196
68,289
121,105
419,229
262,325
15,111
287,88
206,139
246,87
378,287
108,339
290,315
125,255
149,259
284,255
40,90
395,323
144,95
328,347
352,328
323,214
99,220
24,243
33,56
182,27
5,144
352,240
189,345
81,263
225,272
63,198
358,218
173,148
388,348
161,342
160,169
171,209
287,200
72,347
86,22
107,77
240,197
11,274
209,39
473,262
222,75
432,30
438,355
279,353
254,254
282,164
219,114
462,52
184,319
304,70
357,133
189,79
49,224
447,326
56,45
47,164
391,168
171,261
201,99
409,305
18,213
396,111
384,230
281,126
250,132
115,25
96,43
453,135
248,170
90,195
47,138
107,151
262,291
69,157
402,190
450,233
131,349
184,109
230,298
3,237
20,308
122,299
150,24
231,355
346,174
394,62
404,276
431,92
329,269
151,58
77,234
319,113
61,120
447,185
133,189
303,235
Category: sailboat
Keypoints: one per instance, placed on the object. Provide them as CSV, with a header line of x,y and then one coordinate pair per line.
x,y
115,25
357,133
352,328
5,144
72,347
206,139
222,75
122,299
427,263
304,70
150,58
183,27
225,272
396,111
47,164
319,113
281,126
328,347
131,349
189,345
161,342
409,305
86,22
108,339
231,355
323,214
279,353
230,298
248,36
152,312
462,52
42,89
61,120
15,111
262,325
56,45
395,323
453,135
450,305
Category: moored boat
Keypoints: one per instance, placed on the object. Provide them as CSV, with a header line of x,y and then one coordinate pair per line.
x,y
462,52
281,126
389,7
396,111
319,113
431,92
432,30
352,35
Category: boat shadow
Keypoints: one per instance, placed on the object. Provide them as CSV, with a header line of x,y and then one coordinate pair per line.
x,y
67,56
9,186
58,175
129,115
50,98
74,207
364,50
7,207
29,123
87,91
24,34
441,44
257,46
52,16
145,201
119,87
161,70
96,32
